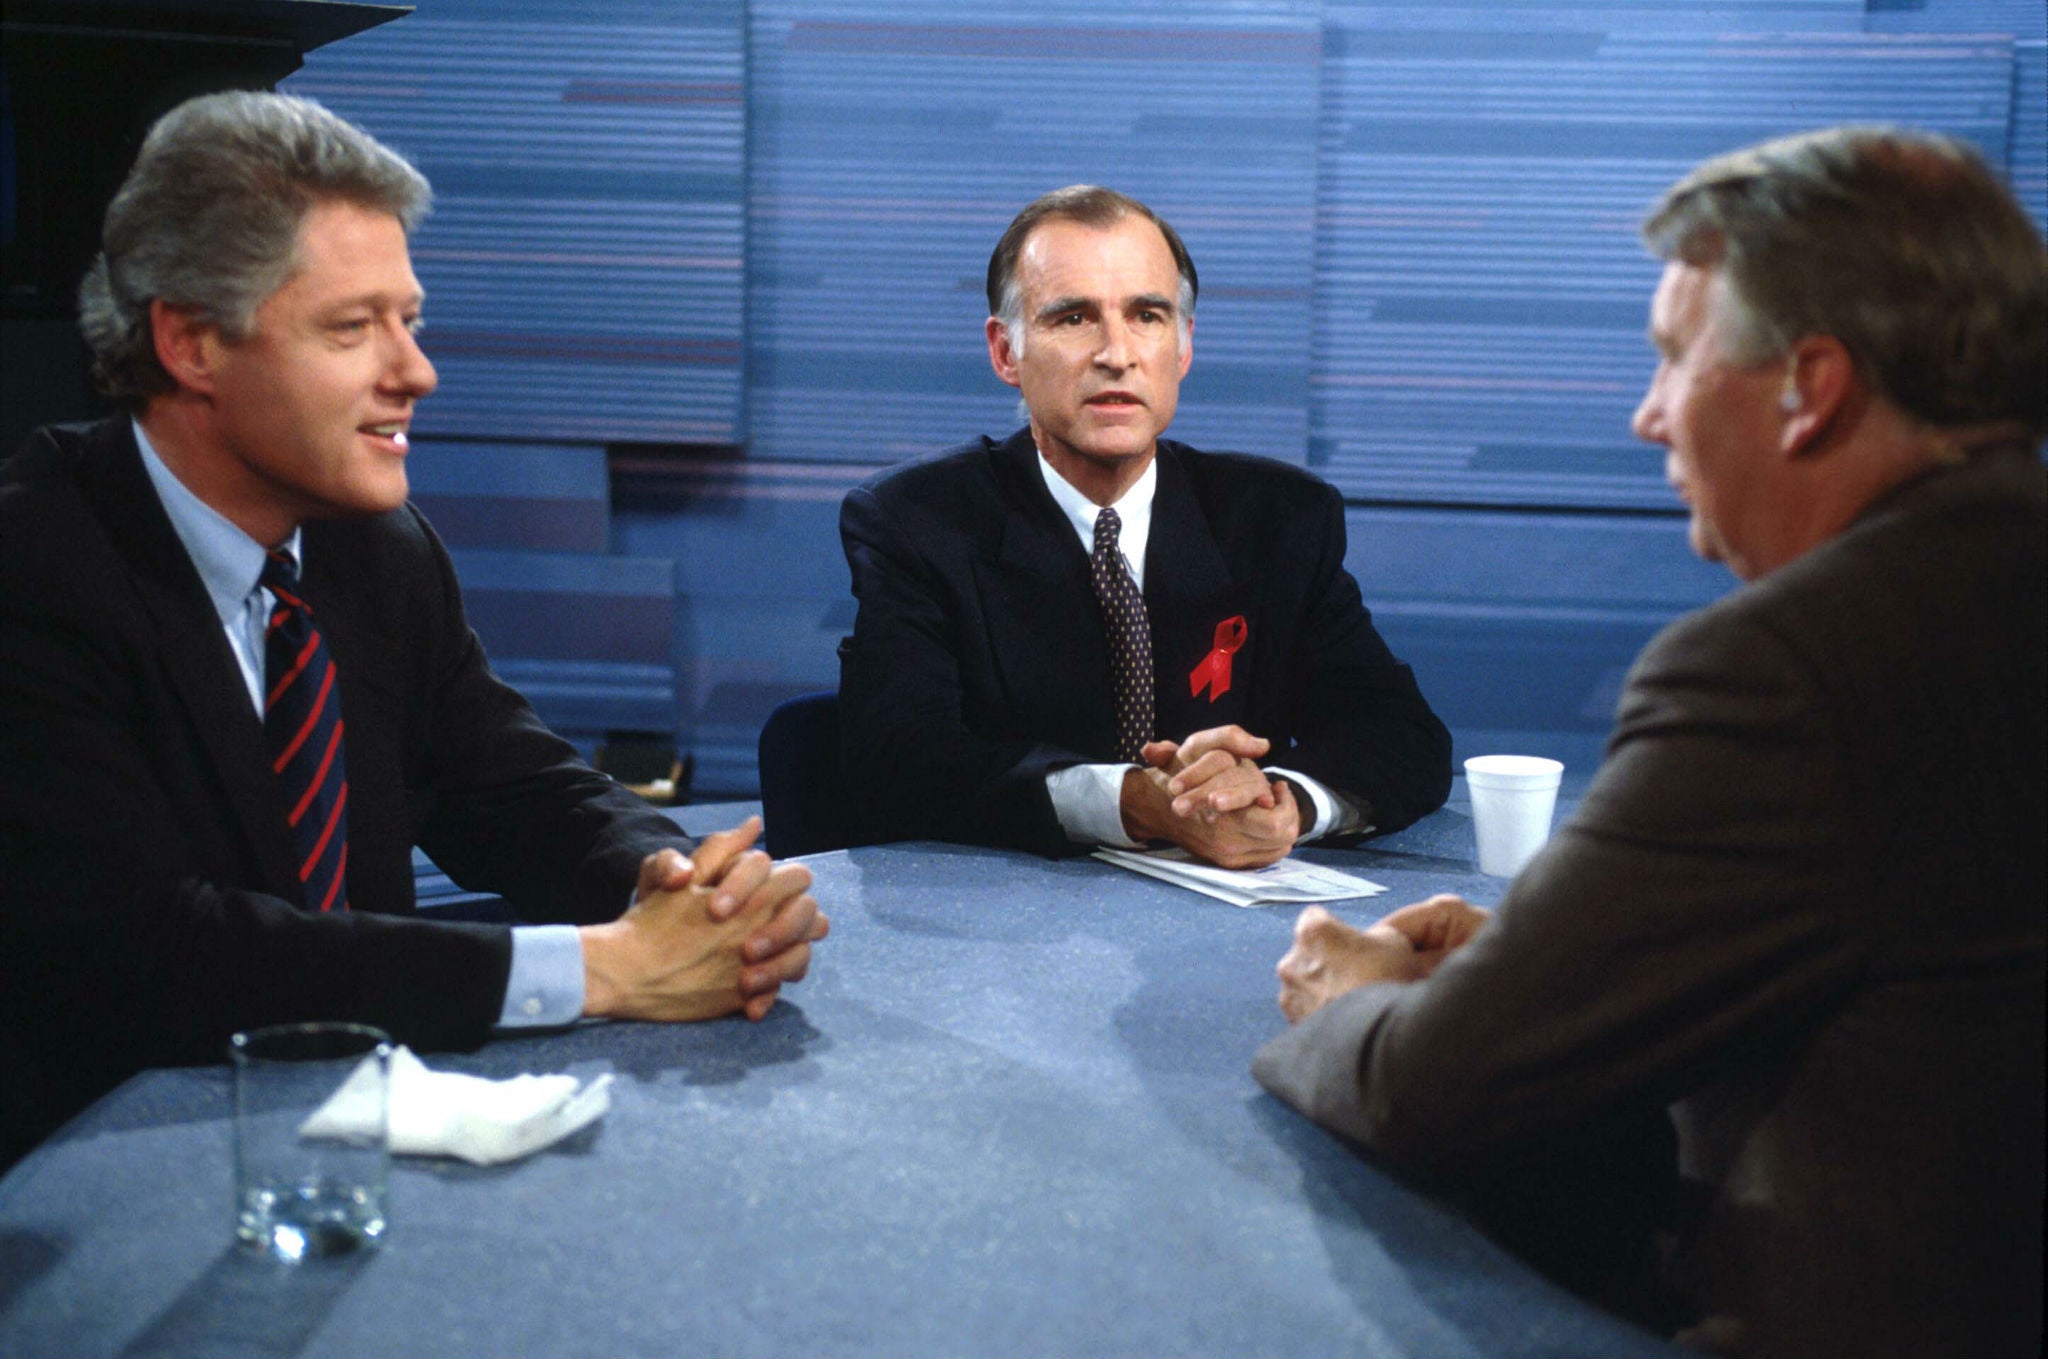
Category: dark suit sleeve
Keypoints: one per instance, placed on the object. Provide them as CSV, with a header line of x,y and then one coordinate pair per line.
x,y
919,767
1360,723
1698,902
501,803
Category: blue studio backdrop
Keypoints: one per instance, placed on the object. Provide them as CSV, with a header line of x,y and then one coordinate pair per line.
x,y
697,266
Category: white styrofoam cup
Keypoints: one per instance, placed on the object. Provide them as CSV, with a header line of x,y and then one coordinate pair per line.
x,y
1513,797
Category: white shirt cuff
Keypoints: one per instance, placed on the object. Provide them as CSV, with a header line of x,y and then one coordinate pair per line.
x,y
1088,800
546,984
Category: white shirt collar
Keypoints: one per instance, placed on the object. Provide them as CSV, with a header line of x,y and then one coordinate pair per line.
x,y
1134,510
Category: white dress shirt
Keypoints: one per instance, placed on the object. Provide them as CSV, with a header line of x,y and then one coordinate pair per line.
x,y
1088,798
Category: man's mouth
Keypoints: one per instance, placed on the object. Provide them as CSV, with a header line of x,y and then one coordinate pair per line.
x,y
394,430
1114,399
1676,481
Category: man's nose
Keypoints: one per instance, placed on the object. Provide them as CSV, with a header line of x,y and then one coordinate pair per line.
x,y
1648,421
409,370
1115,350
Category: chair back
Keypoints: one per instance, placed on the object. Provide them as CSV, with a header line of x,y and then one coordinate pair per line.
x,y
803,804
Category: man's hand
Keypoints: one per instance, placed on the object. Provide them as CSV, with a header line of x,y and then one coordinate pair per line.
x,y
1249,837
1207,795
1330,958
1214,770
705,936
1436,928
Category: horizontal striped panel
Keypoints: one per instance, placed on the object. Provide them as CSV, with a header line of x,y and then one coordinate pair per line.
x,y
584,264
518,471
1547,565
2028,159
565,573
1522,627
892,144
1481,294
549,497
2026,22
1480,25
743,528
588,639
579,629
487,521
590,699
749,654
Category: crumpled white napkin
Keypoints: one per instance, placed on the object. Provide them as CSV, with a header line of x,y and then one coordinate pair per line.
x,y
445,1113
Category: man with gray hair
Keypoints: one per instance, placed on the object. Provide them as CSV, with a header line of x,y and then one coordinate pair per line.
x,y
237,687
1801,906
1086,634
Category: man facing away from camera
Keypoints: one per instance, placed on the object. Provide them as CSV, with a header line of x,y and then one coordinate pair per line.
x,y
237,687
1801,905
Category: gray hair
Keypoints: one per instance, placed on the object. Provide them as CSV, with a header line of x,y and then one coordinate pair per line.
x,y
209,217
1902,245
1090,205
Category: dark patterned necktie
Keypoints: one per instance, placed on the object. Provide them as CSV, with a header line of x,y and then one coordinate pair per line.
x,y
1130,639
302,726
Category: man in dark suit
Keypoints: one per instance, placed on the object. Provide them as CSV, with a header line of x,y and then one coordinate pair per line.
x,y
1802,902
236,686
1087,634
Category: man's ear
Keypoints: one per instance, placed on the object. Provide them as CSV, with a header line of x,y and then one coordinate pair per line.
x,y
1820,383
1000,356
187,347
1187,346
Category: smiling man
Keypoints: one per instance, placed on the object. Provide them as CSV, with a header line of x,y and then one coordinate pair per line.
x,y
1089,635
236,686
1801,906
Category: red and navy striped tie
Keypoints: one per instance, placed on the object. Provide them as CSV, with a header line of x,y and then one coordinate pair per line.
x,y
302,724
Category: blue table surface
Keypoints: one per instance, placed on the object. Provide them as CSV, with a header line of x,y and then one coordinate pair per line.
x,y
1009,1113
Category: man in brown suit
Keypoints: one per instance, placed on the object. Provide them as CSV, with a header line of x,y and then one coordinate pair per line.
x,y
1802,903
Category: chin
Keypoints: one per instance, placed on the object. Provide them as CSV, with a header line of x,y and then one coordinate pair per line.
x,y
366,502
1710,546
1123,448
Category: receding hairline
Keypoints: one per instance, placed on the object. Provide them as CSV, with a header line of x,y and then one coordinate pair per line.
x,y
1089,205
1115,224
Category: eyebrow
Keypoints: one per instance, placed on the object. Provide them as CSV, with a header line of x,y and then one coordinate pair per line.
x,y
378,300
1063,304
1059,305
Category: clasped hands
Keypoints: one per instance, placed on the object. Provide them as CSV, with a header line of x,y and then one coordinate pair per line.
x,y
707,934
1330,957
1208,795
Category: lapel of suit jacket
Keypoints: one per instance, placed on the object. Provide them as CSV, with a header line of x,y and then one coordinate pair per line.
x,y
1047,629
197,662
1189,590
367,659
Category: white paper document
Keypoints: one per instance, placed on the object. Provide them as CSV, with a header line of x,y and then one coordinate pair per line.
x,y
1289,882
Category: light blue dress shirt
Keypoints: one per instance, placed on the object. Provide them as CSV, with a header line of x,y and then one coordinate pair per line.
x,y
1088,798
546,982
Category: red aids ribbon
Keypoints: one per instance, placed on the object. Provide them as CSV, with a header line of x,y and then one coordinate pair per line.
x,y
1214,671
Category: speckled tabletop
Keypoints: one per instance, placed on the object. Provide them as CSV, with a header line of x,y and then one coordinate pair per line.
x,y
1008,1114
